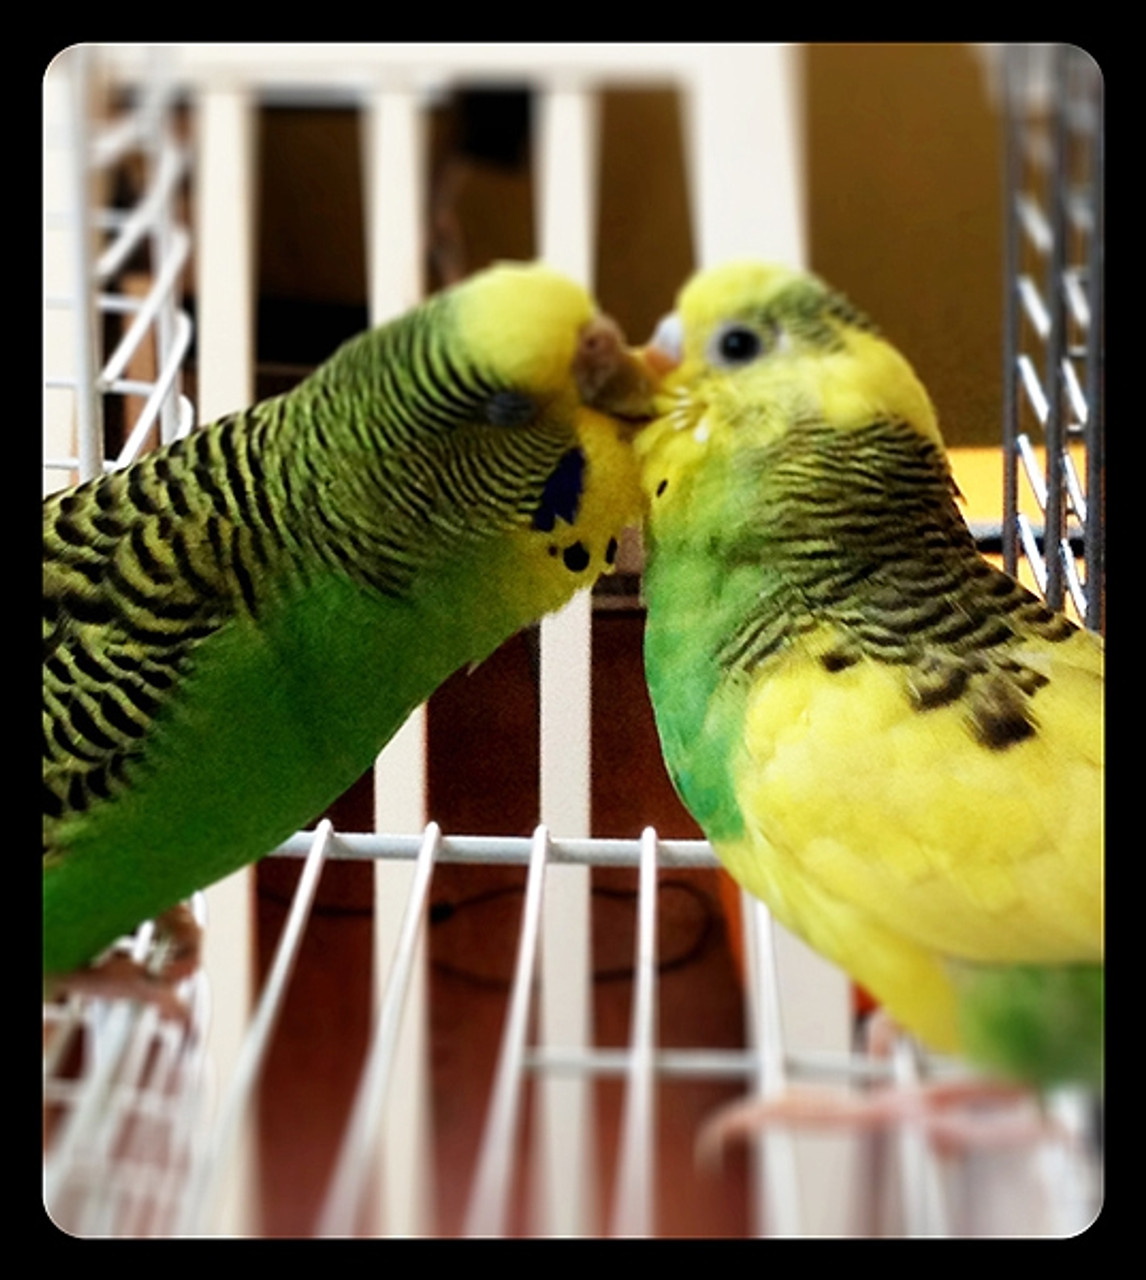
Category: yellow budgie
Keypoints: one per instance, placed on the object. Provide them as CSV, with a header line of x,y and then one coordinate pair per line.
x,y
891,742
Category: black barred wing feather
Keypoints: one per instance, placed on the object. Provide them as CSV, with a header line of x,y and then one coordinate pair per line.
x,y
133,580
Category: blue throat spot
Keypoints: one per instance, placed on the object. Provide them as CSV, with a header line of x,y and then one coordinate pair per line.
x,y
561,496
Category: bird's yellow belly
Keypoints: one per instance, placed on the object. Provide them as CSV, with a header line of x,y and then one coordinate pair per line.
x,y
892,840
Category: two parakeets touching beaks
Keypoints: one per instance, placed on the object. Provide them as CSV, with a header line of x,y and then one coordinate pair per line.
x,y
235,624
890,741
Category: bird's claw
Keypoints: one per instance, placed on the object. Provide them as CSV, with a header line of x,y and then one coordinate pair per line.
x,y
956,1116
173,957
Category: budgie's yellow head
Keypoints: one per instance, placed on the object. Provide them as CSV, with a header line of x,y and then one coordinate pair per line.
x,y
757,350
536,327
572,396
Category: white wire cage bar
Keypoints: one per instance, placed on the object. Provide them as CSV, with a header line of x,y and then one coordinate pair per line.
x,y
88,247
152,1125
1054,317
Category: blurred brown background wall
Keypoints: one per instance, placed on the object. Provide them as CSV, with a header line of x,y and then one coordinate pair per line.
x,y
903,152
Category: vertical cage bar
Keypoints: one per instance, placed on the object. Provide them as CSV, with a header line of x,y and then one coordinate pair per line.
x,y
89,404
394,169
634,1206
1095,384
1054,528
377,1113
924,1209
488,1213
160,148
225,200
745,137
225,211
566,189
776,1188
68,129
1012,309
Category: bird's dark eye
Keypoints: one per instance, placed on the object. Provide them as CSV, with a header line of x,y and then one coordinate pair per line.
x,y
509,409
737,345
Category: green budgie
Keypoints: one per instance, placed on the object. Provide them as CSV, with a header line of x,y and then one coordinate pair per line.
x,y
891,742
236,624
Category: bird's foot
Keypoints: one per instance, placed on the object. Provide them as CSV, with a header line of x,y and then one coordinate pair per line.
x,y
957,1116
177,947
175,954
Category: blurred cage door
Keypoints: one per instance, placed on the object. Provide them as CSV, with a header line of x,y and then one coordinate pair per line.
x,y
149,1098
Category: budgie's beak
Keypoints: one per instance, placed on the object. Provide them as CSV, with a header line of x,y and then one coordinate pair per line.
x,y
610,376
666,347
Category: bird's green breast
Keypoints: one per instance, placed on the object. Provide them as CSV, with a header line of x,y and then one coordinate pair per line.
x,y
703,579
699,711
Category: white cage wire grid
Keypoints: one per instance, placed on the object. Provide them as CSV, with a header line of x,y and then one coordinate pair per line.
x,y
151,1121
